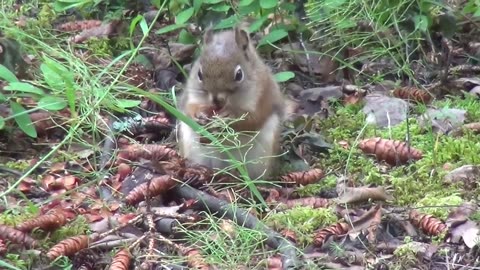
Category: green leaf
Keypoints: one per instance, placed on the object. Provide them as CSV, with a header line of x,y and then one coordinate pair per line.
x,y
185,37
55,74
244,3
253,8
197,4
226,23
212,1
220,8
2,123
2,97
284,76
24,87
273,36
184,16
52,103
256,25
169,28
7,75
52,78
267,4
477,12
63,5
127,103
8,266
23,119
421,22
144,26
134,23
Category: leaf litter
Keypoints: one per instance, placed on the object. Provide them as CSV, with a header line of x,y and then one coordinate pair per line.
x,y
150,177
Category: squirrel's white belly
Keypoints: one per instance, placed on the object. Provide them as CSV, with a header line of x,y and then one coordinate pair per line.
x,y
253,150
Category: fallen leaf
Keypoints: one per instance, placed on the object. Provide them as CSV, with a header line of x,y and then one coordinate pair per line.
x,y
468,231
467,174
103,30
360,194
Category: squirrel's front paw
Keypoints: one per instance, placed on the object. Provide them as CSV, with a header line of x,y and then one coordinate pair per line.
x,y
203,118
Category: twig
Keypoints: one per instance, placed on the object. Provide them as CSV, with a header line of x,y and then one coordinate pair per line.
x,y
11,171
243,218
448,59
137,218
112,243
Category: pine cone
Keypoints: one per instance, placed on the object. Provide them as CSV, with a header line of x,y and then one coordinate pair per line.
x,y
157,186
48,222
413,93
322,235
303,178
147,151
427,223
68,247
16,236
121,261
393,152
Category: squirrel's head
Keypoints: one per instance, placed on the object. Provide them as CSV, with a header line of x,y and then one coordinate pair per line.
x,y
226,69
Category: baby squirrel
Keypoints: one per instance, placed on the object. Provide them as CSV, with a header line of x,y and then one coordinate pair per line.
x,y
230,78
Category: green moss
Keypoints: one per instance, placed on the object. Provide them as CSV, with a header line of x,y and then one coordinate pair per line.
x,y
17,215
328,182
20,165
302,220
46,16
475,216
438,204
100,46
345,124
76,227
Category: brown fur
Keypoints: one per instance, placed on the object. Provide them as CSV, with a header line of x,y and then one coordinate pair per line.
x,y
257,97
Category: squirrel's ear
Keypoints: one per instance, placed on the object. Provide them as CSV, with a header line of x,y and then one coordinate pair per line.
x,y
208,36
241,37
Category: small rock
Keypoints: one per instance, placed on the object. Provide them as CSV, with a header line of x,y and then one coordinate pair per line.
x,y
328,92
385,111
475,91
442,120
466,173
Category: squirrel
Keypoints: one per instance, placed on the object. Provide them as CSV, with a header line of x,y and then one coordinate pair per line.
x,y
230,80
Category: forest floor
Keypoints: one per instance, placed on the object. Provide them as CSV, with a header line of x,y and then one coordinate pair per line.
x,y
380,162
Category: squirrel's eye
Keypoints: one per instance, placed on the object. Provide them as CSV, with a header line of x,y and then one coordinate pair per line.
x,y
238,74
200,75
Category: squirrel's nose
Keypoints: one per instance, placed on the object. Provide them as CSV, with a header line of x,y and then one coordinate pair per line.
x,y
218,101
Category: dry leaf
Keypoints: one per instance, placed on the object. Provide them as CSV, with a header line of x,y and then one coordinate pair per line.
x,y
79,25
103,30
360,194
